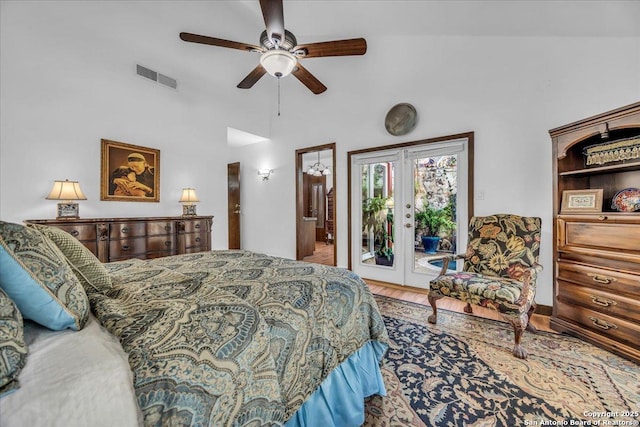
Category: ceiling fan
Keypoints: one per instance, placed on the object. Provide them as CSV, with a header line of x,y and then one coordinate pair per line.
x,y
280,51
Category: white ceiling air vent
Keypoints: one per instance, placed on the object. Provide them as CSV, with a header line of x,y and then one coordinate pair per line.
x,y
156,77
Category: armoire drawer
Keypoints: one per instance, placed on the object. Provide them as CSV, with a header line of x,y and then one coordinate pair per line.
x,y
617,329
605,279
612,304
603,235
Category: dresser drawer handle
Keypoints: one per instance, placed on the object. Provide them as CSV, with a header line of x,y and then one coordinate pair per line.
x,y
75,233
126,247
602,217
197,225
602,324
125,230
167,228
197,240
601,279
602,302
167,243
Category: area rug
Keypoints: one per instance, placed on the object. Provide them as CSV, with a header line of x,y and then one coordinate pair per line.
x,y
460,372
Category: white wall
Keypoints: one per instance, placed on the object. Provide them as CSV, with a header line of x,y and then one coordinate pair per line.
x,y
68,74
509,91
68,79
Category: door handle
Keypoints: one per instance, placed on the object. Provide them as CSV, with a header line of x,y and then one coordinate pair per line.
x,y
407,225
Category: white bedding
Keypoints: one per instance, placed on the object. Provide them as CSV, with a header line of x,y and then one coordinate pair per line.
x,y
72,379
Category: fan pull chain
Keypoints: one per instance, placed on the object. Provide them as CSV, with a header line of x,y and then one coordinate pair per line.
x,y
278,95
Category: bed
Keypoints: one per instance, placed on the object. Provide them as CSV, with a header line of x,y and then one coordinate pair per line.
x,y
211,338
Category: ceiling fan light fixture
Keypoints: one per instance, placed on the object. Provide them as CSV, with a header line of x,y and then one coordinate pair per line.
x,y
278,62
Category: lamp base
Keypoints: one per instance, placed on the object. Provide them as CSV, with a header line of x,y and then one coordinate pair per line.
x,y
189,210
68,211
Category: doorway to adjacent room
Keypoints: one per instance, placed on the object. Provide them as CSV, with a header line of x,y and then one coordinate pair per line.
x,y
315,204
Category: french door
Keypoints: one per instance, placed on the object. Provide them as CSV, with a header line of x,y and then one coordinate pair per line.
x,y
393,191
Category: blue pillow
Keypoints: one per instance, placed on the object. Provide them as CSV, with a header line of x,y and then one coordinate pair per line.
x,y
36,276
13,350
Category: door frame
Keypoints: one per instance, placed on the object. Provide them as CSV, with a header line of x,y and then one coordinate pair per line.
x,y
234,236
470,162
299,195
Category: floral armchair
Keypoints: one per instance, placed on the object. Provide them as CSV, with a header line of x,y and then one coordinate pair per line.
x,y
500,270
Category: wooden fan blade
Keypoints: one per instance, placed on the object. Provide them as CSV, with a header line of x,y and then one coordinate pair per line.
x,y
308,79
195,38
333,48
273,19
252,78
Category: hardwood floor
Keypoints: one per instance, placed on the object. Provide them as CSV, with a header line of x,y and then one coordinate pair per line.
x,y
419,296
322,254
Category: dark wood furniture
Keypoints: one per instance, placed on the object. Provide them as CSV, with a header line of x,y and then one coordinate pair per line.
x,y
329,223
308,237
116,239
597,255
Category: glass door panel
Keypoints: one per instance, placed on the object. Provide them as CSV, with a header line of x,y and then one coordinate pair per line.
x,y
377,213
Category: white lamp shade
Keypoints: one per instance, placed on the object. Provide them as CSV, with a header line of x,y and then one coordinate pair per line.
x,y
66,190
278,62
189,196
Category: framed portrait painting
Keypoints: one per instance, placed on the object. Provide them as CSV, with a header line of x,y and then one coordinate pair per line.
x,y
581,201
129,173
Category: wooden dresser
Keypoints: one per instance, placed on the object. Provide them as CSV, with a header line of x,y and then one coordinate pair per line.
x,y
597,254
116,239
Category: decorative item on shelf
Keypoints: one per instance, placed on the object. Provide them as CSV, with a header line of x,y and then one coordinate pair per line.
x,y
189,199
67,191
614,151
627,200
265,173
401,119
318,168
582,201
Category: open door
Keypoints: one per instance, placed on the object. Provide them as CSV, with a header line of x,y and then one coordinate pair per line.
x,y
315,209
233,206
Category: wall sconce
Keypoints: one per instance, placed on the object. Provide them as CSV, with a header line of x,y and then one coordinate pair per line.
x,y
265,173
188,200
67,191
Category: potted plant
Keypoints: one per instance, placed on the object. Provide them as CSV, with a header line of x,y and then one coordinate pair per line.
x,y
433,223
377,218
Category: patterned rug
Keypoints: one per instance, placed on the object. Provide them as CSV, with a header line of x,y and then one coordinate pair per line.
x,y
461,372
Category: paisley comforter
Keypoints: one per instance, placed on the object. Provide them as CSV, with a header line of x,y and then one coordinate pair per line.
x,y
233,337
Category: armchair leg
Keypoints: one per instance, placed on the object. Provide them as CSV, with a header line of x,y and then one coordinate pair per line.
x,y
468,308
530,327
432,300
518,350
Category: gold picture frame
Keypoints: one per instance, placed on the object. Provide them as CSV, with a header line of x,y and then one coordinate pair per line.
x,y
582,201
129,173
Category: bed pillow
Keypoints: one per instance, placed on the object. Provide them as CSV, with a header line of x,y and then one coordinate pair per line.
x,y
36,276
13,350
84,263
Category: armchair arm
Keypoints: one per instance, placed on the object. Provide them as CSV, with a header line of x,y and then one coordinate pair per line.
x,y
446,259
529,281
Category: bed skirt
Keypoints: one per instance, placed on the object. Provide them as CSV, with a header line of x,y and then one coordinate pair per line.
x,y
339,401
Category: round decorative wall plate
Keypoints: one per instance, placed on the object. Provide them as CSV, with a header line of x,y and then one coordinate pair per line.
x,y
401,119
